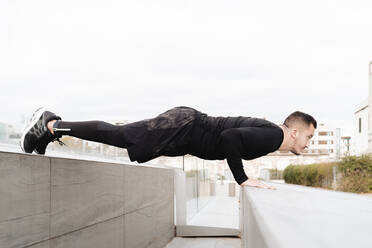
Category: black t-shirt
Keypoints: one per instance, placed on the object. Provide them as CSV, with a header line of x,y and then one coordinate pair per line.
x,y
234,139
248,143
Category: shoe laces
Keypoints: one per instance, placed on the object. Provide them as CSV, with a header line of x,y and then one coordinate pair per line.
x,y
57,139
59,142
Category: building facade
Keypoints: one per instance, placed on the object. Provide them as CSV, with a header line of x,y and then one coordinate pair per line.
x,y
326,141
360,141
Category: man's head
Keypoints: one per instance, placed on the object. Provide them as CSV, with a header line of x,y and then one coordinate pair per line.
x,y
301,128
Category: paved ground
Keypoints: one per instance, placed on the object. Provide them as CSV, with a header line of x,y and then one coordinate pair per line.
x,y
221,211
204,242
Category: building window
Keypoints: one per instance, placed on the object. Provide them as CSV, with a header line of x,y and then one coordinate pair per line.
x,y
322,142
323,133
360,125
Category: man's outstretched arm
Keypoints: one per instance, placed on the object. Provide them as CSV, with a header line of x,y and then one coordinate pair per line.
x,y
232,145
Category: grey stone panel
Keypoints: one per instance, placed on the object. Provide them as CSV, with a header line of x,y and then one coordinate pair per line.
x,y
165,229
104,234
43,244
146,186
84,193
150,227
58,202
24,231
24,199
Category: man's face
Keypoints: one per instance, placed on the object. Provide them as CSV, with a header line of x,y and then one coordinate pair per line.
x,y
302,136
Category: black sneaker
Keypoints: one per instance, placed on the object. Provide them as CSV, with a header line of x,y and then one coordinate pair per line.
x,y
36,136
42,143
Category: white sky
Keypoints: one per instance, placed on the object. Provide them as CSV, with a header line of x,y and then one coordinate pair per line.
x,y
132,60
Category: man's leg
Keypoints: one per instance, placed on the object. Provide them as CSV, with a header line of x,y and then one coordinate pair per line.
x,y
98,131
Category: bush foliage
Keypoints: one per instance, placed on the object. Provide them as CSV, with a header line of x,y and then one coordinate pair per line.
x,y
353,174
316,175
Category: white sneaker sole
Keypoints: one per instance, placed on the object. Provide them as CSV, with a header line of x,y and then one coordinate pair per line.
x,y
35,118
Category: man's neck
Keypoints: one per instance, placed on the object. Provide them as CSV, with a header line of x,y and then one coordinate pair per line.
x,y
286,131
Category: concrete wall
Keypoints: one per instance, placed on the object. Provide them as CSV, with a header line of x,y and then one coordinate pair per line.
x,y
294,216
48,202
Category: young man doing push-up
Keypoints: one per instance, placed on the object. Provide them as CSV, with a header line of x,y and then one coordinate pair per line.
x,y
180,131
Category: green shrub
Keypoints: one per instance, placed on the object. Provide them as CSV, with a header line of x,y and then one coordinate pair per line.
x,y
356,181
317,175
310,175
355,174
293,174
325,173
363,162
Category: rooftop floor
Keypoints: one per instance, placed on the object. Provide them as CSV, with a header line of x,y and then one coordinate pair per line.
x,y
204,242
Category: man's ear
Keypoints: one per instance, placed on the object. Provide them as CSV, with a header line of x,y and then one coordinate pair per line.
x,y
295,133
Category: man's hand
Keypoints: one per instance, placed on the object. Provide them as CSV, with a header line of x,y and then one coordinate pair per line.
x,y
256,183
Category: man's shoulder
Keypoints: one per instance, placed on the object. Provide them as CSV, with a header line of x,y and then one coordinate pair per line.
x,y
256,122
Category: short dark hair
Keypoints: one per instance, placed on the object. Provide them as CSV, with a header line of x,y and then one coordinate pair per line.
x,y
300,116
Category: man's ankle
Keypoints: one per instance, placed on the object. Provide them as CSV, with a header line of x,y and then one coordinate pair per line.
x,y
50,125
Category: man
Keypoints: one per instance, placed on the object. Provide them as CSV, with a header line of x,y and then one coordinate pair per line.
x,y
179,131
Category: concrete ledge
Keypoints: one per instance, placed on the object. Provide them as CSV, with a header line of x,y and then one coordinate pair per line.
x,y
300,216
201,231
49,202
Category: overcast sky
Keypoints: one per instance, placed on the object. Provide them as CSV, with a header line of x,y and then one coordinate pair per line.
x,y
115,59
